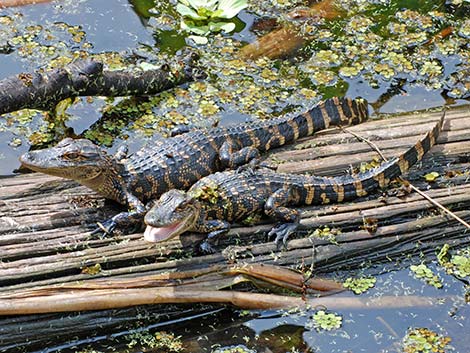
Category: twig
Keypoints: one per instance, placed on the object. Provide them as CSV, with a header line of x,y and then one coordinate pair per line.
x,y
403,180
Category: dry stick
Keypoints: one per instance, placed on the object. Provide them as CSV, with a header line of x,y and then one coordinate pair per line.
x,y
434,202
121,298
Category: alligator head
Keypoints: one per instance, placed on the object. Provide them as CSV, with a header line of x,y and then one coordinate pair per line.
x,y
79,160
173,214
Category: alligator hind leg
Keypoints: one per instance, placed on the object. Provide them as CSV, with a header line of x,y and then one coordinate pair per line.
x,y
231,156
275,207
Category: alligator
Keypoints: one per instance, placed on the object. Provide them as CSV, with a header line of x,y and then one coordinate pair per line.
x,y
218,200
178,162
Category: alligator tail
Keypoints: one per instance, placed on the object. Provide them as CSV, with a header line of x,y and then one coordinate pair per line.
x,y
332,112
360,185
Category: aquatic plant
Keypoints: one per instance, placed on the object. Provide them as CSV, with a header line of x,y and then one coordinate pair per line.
x,y
202,17
423,272
423,340
457,264
323,320
359,285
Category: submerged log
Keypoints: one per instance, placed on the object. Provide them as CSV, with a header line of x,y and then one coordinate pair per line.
x,y
87,78
45,241
287,40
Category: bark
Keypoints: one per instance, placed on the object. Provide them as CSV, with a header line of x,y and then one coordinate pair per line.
x,y
88,78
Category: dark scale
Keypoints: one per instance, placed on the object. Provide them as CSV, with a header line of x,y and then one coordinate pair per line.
x,y
180,161
239,194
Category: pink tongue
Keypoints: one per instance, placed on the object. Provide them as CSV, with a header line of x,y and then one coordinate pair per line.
x,y
156,235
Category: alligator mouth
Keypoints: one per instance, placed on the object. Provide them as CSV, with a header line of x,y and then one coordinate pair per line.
x,y
158,234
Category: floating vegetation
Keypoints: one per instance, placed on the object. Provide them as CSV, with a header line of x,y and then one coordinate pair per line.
x,y
423,340
431,177
234,349
359,285
159,340
365,42
326,233
92,270
207,193
204,17
457,264
374,163
425,273
323,320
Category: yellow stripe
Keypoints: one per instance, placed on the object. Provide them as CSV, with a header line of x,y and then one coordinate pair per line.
x,y
419,150
403,164
295,128
359,189
310,195
380,178
351,108
254,140
310,125
432,139
339,189
325,116
324,198
339,109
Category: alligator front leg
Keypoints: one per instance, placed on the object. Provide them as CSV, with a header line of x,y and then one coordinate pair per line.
x,y
231,156
214,228
289,218
124,220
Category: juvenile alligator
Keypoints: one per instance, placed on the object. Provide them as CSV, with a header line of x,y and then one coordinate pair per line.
x,y
178,162
222,198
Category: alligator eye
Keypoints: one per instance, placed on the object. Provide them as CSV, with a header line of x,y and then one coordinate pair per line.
x,y
71,155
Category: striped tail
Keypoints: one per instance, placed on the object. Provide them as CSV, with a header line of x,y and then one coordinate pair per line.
x,y
349,187
363,183
332,112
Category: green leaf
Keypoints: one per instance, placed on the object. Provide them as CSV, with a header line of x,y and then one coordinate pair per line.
x,y
62,106
200,30
430,177
231,8
221,26
207,4
199,39
185,11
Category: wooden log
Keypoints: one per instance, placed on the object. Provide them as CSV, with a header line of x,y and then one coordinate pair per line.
x,y
87,78
15,3
285,41
45,242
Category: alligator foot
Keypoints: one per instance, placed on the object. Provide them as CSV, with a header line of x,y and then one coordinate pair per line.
x,y
255,164
105,228
282,233
206,248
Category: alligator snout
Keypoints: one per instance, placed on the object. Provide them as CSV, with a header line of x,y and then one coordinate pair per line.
x,y
27,157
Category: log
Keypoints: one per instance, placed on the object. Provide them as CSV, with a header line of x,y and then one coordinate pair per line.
x,y
14,3
87,78
45,241
285,41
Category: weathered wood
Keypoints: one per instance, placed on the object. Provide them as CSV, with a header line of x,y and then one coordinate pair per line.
x,y
87,78
44,237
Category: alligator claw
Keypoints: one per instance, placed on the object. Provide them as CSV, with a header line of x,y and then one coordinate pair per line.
x,y
282,233
206,248
105,228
